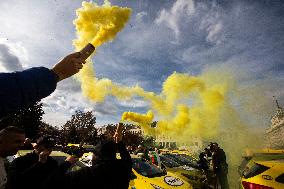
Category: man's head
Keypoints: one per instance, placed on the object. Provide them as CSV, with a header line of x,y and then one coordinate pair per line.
x,y
44,143
28,141
105,150
11,140
214,146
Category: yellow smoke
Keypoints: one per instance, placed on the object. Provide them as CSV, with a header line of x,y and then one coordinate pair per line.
x,y
187,106
97,24
177,110
147,119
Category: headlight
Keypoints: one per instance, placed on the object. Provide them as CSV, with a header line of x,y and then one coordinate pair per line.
x,y
156,187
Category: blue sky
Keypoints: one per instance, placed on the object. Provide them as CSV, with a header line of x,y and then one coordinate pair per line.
x,y
162,36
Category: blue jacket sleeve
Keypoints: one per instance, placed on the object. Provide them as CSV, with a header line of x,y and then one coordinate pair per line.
x,y
20,89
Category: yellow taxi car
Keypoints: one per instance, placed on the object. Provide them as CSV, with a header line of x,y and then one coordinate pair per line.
x,y
253,160
259,155
149,176
263,175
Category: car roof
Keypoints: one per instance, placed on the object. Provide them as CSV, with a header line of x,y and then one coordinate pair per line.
x,y
58,153
53,153
252,152
70,144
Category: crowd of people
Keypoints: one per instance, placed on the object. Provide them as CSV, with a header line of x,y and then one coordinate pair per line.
x,y
39,170
215,156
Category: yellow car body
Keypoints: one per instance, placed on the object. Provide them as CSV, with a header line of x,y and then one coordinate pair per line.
x,y
259,155
139,181
162,180
181,152
70,144
263,175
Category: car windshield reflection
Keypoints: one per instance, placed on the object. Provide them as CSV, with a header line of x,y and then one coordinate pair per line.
x,y
146,169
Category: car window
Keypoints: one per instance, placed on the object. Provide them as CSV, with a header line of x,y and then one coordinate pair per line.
x,y
180,160
146,169
280,178
169,162
254,170
243,164
78,165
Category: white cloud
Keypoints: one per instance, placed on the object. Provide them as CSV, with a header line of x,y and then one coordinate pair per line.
x,y
140,16
172,17
213,24
134,103
13,56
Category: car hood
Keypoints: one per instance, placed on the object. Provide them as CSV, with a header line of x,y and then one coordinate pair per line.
x,y
168,181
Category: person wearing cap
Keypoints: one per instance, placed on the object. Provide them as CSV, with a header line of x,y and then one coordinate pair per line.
x,y
30,170
106,172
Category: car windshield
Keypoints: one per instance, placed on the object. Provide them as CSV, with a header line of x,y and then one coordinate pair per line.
x,y
78,165
179,159
146,169
169,162
258,157
189,158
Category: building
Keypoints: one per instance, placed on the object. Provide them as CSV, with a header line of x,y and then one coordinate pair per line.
x,y
275,133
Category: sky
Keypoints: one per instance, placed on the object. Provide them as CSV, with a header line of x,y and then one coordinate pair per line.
x,y
161,37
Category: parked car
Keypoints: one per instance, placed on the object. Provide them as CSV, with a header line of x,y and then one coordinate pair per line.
x,y
149,176
263,175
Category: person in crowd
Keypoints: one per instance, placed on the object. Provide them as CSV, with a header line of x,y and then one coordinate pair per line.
x,y
27,144
208,153
106,172
31,170
155,157
202,162
129,149
142,152
140,149
11,140
20,89
220,166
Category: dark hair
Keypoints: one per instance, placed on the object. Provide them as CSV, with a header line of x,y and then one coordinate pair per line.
x,y
11,130
105,150
46,141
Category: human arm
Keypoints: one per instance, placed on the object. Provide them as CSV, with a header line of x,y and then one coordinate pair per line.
x,y
121,148
20,89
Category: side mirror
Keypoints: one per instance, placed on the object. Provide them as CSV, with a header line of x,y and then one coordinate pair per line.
x,y
163,167
165,171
